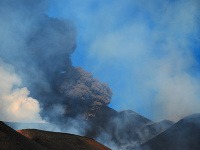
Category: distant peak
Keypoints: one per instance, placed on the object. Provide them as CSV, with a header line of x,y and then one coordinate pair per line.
x,y
129,112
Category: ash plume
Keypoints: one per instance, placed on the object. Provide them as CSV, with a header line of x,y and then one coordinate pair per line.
x,y
87,88
79,85
39,48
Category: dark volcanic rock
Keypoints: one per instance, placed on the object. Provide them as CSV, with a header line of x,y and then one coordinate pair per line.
x,y
184,135
12,140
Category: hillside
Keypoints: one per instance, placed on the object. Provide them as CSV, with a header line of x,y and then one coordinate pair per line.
x,y
184,135
33,139
126,129
61,141
123,129
12,140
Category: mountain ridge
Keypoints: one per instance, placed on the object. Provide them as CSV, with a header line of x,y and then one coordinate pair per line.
x,y
183,135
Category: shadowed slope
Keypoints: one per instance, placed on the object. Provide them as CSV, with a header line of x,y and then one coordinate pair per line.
x,y
12,140
184,135
122,128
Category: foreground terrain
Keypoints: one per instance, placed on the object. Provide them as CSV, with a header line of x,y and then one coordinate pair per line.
x,y
183,135
44,140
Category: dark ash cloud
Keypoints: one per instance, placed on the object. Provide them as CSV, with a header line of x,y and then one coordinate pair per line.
x,y
39,48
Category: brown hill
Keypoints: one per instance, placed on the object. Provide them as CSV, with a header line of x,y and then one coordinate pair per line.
x,y
32,139
61,141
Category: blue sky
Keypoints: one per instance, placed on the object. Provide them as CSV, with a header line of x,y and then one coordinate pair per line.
x,y
147,51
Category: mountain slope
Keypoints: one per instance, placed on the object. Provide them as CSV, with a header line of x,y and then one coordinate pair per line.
x,y
32,139
61,141
153,129
12,140
184,135
123,129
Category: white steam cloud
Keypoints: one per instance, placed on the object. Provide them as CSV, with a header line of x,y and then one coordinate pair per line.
x,y
15,103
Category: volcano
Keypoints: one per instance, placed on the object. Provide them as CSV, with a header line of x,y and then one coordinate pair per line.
x,y
125,129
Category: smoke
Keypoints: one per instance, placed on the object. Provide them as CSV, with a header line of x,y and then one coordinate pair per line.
x,y
87,88
162,58
39,48
154,49
16,105
80,86
150,48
